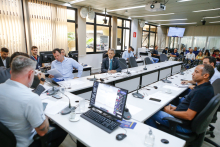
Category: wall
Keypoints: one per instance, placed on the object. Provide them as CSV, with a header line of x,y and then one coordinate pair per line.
x,y
211,30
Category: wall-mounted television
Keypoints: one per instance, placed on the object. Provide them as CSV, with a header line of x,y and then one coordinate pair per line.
x,y
176,32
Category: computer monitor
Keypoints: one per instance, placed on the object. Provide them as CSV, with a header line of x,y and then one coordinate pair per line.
x,y
46,57
118,53
74,55
109,99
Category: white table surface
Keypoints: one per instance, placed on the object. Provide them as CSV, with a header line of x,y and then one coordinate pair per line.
x,y
92,136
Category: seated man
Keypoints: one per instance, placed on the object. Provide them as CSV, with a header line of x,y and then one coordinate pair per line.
x,y
196,101
22,110
211,61
195,51
65,66
4,59
174,55
190,55
35,57
63,52
110,64
127,54
165,50
184,52
155,54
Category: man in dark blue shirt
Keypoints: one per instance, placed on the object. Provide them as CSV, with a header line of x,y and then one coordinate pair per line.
x,y
165,50
192,105
175,53
35,57
155,52
195,51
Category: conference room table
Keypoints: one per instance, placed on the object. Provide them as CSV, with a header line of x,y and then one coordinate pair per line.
x,y
83,87
88,134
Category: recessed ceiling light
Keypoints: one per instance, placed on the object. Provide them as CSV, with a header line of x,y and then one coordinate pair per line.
x,y
215,22
129,17
183,1
158,25
212,17
76,1
207,10
142,6
170,19
154,15
179,23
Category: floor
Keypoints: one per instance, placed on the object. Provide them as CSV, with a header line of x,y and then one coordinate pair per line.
x,y
68,142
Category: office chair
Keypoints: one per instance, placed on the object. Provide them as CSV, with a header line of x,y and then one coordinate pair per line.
x,y
104,55
215,85
132,62
147,60
8,139
198,125
122,63
163,58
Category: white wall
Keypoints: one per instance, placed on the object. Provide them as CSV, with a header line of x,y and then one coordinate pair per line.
x,y
134,28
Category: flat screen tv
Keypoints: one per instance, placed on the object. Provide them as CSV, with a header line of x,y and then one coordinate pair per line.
x,y
176,32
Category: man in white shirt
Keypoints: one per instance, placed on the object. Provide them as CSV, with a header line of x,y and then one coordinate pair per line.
x,y
21,109
190,55
127,54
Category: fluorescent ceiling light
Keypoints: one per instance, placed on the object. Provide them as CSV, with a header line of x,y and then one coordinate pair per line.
x,y
179,23
183,1
212,17
142,6
207,10
170,19
154,15
76,1
215,22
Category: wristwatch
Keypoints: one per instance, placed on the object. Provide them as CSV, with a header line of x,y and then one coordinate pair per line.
x,y
42,79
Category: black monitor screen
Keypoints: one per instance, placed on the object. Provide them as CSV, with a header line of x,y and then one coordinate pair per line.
x,y
109,99
46,57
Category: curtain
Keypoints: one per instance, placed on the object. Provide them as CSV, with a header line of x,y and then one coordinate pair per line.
x,y
12,26
48,25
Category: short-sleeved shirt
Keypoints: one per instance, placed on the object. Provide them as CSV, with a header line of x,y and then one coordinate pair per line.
x,y
198,98
177,54
21,111
196,52
164,51
217,59
127,55
215,76
66,68
190,56
155,52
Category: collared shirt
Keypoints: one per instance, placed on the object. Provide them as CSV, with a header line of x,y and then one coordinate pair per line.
x,y
190,56
164,51
66,68
155,52
215,76
21,111
196,52
177,54
37,60
4,61
126,55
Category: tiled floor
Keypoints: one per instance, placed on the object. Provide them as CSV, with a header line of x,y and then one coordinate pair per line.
x,y
69,143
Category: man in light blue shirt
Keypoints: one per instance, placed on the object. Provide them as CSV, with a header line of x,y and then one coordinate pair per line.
x,y
127,54
65,66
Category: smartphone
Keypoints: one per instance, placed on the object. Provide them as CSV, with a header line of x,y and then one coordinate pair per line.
x,y
56,96
154,99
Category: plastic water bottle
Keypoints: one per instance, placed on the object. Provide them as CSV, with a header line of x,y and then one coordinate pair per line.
x,y
149,139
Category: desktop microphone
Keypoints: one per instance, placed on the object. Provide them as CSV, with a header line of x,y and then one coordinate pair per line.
x,y
165,80
138,95
128,72
181,71
93,79
126,114
69,108
145,68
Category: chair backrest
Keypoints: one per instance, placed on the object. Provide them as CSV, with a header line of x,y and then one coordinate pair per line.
x,y
147,60
7,137
122,63
216,86
203,119
163,57
104,55
132,62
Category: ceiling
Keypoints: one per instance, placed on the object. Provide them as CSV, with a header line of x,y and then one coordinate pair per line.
x,y
181,10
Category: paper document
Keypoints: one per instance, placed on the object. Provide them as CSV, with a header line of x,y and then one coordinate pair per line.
x,y
182,85
55,73
133,110
159,95
171,87
70,83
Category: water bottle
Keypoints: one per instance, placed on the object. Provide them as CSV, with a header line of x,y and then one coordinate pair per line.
x,y
149,139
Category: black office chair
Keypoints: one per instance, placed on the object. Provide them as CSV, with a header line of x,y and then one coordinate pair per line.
x,y
132,62
7,138
147,60
163,58
122,63
198,125
215,85
104,55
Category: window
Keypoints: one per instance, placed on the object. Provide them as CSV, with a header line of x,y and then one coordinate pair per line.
x,y
149,34
71,29
123,33
199,42
186,41
98,36
213,43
